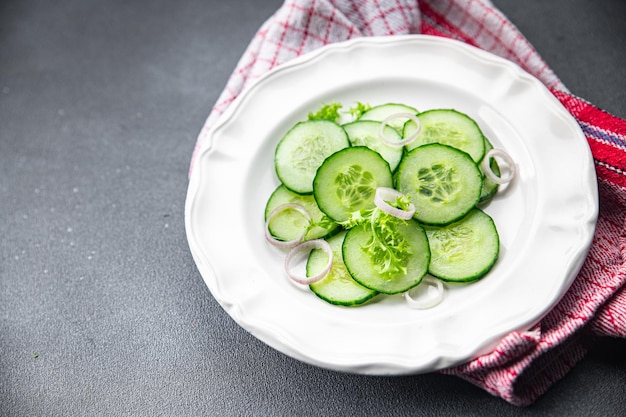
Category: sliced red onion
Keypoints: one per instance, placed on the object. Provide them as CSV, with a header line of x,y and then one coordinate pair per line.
x,y
384,194
304,248
486,166
399,143
282,243
425,300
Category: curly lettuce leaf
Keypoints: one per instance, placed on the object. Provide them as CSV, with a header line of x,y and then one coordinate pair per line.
x,y
387,249
327,112
358,109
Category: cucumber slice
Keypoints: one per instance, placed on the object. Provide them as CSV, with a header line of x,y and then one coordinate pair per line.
x,y
382,111
347,181
442,182
303,149
448,127
465,250
290,224
337,287
366,133
490,188
365,267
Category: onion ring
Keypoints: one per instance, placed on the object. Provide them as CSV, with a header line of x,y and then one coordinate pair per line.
x,y
305,247
288,244
431,301
384,194
399,143
486,166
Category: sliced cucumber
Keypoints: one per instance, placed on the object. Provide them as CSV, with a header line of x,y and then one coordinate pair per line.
x,y
490,188
465,250
347,181
290,224
366,267
382,111
303,149
337,287
448,127
367,133
442,182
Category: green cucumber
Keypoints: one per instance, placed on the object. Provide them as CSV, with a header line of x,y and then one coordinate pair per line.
x,y
381,112
303,149
490,188
333,172
337,287
465,250
290,224
365,249
448,127
442,182
367,133
347,180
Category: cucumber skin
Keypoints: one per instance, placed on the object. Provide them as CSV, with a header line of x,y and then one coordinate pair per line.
x,y
324,288
282,195
382,111
324,190
284,153
357,237
358,128
478,149
480,271
490,188
398,178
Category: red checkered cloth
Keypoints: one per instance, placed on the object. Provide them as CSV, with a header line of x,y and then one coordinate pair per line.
x,y
525,364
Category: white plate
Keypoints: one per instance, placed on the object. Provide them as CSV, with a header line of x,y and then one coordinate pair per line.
x,y
546,218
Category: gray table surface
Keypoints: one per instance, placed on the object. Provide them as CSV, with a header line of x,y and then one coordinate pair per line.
x,y
102,310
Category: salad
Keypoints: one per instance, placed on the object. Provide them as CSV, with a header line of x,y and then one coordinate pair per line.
x,y
386,199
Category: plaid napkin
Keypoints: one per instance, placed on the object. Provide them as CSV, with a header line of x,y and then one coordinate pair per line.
x,y
525,364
